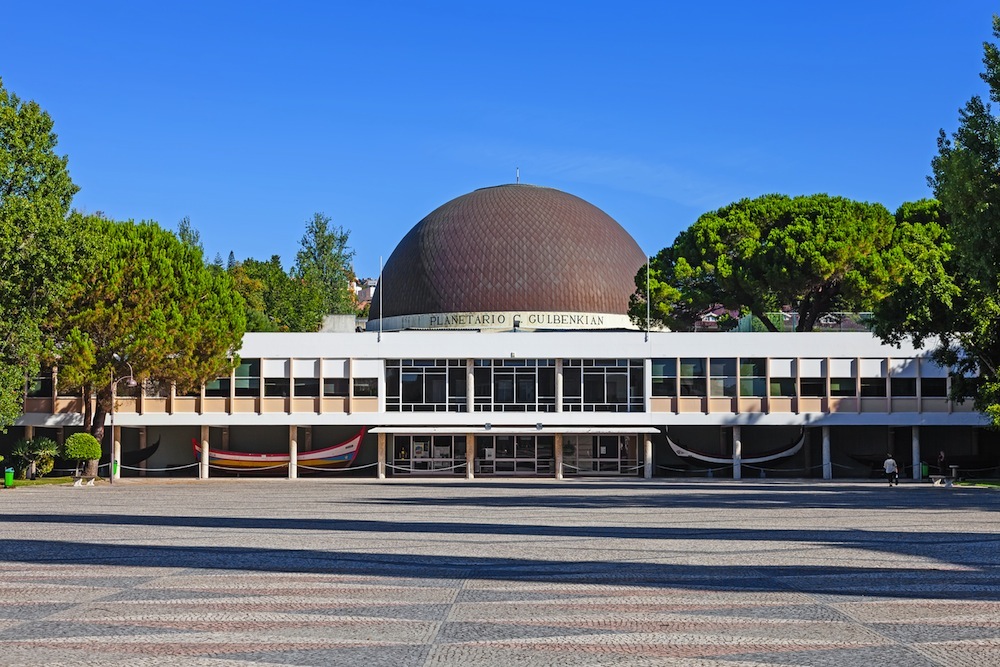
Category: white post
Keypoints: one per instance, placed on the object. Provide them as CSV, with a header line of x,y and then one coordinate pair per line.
x,y
559,455
737,454
203,468
293,452
116,451
827,463
647,456
470,456
915,444
381,455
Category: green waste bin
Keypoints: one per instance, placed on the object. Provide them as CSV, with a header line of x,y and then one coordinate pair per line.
x,y
8,477
924,470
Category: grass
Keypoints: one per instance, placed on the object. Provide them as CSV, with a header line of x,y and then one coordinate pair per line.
x,y
992,483
42,481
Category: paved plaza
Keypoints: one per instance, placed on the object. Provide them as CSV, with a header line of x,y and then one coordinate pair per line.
x,y
499,572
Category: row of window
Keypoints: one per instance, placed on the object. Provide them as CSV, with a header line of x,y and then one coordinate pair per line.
x,y
529,385
718,378
513,385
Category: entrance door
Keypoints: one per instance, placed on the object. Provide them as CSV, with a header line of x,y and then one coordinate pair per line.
x,y
515,454
600,454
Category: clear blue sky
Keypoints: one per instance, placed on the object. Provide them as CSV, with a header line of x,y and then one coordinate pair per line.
x,y
248,117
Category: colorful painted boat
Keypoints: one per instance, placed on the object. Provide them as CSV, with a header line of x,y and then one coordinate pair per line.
x,y
337,456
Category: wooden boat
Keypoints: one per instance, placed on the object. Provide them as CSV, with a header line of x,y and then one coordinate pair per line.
x,y
337,456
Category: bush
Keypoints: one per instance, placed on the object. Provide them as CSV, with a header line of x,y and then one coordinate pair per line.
x,y
37,452
81,447
44,465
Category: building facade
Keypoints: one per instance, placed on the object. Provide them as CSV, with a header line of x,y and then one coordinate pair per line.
x,y
499,345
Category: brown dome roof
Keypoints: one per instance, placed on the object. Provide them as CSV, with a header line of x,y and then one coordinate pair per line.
x,y
508,248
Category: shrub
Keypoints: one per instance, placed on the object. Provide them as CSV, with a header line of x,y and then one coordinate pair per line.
x,y
32,453
81,447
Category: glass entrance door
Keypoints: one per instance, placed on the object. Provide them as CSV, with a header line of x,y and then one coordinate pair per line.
x,y
600,454
439,454
515,454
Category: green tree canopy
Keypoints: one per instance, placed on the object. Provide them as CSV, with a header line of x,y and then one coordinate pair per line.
x,y
145,305
324,257
81,447
37,244
276,300
954,293
816,254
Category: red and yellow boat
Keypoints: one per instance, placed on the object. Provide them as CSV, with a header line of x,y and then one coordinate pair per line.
x,y
338,456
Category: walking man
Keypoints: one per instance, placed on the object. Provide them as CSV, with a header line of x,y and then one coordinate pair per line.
x,y
891,470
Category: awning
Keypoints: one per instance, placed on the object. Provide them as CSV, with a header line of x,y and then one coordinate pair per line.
x,y
496,429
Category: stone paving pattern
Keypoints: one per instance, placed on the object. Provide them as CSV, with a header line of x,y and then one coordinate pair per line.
x,y
499,572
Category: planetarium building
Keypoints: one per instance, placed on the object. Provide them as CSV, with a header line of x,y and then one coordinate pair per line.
x,y
499,345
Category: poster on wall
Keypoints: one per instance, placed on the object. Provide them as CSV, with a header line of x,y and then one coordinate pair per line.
x,y
419,450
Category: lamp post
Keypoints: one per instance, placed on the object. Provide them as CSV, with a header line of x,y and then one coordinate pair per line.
x,y
115,445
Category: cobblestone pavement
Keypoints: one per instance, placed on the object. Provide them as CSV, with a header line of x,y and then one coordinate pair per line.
x,y
499,572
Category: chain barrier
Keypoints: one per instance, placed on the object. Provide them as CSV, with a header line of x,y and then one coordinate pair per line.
x,y
237,469
319,469
183,467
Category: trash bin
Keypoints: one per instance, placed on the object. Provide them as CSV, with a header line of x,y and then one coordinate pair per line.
x,y
8,478
924,470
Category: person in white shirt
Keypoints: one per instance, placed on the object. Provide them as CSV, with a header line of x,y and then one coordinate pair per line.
x,y
891,470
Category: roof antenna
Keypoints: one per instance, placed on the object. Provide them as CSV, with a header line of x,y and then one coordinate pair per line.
x,y
517,175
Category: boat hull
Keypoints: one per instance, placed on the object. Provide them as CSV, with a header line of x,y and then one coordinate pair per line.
x,y
341,455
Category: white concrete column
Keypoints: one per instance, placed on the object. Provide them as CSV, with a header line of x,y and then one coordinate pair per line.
x,y
737,453
559,455
116,452
915,443
470,456
203,468
647,456
559,385
470,387
827,463
381,455
293,452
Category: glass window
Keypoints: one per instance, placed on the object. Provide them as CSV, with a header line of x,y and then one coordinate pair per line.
x,y
248,378
753,377
365,387
903,387
217,388
335,387
934,387
306,387
664,377
843,387
276,387
753,367
572,382
812,387
753,386
722,380
41,386
873,387
692,377
783,387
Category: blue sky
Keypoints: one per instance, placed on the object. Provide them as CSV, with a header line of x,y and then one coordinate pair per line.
x,y
248,117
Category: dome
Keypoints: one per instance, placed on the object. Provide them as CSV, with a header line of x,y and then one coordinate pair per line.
x,y
511,248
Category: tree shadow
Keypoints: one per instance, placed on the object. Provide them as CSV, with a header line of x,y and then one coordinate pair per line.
x,y
840,581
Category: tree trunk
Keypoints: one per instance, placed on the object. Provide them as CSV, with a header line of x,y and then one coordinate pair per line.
x,y
97,429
